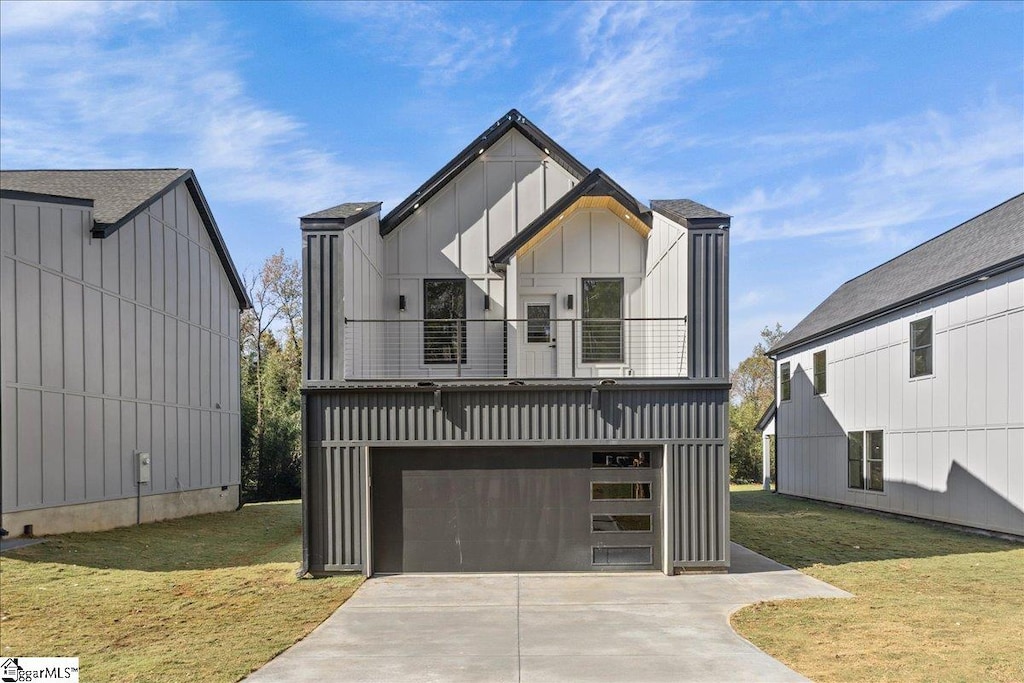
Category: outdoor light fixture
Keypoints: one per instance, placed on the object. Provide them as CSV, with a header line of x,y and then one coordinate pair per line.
x,y
401,302
568,301
487,302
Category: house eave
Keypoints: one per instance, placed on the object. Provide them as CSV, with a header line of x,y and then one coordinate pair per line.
x,y
996,269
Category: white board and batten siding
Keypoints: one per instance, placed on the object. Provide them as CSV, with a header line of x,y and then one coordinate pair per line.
x,y
453,235
113,346
953,440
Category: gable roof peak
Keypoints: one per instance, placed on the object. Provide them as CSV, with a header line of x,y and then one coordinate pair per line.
x,y
513,119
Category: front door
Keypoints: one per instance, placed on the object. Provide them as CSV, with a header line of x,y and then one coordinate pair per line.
x,y
539,341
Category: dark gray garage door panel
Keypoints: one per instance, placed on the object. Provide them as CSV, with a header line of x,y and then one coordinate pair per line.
x,y
497,509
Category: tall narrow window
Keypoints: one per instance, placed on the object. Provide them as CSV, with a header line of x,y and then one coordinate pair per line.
x,y
444,326
602,320
819,372
921,347
875,481
784,382
855,460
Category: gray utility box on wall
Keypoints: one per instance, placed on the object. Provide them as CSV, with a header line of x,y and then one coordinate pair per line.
x,y
144,467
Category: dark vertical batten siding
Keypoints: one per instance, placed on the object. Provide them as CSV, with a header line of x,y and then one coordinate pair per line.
x,y
693,421
708,316
336,508
323,301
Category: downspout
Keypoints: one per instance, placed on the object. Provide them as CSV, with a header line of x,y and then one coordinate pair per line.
x,y
304,492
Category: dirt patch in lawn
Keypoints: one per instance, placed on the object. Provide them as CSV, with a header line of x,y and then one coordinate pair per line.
x,y
204,598
931,603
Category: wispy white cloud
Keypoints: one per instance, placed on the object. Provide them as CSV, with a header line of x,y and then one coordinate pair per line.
x,y
424,36
162,98
632,59
883,177
934,12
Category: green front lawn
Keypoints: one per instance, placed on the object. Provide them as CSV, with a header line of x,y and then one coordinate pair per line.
x,y
206,598
932,604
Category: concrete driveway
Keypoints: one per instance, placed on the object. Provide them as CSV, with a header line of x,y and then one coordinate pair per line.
x,y
548,627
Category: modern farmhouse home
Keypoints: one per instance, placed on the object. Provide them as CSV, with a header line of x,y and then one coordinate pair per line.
x,y
904,390
518,367
119,332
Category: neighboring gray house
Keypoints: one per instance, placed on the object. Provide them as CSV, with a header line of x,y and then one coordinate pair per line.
x,y
519,367
119,314
904,390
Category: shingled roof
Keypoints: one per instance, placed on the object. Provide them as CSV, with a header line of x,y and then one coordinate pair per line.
x,y
118,196
344,214
988,243
685,209
115,194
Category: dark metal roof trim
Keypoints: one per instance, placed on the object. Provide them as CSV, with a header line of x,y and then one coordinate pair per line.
x,y
769,415
218,239
513,119
315,222
596,184
102,230
42,197
1009,264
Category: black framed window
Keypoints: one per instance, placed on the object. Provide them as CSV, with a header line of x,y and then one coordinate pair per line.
x,y
538,323
820,365
921,347
855,460
602,320
785,386
865,456
875,479
444,326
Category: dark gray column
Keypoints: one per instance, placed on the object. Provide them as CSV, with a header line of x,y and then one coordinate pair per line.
x,y
708,305
323,312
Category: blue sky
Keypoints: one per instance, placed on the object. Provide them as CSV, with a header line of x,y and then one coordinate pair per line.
x,y
838,135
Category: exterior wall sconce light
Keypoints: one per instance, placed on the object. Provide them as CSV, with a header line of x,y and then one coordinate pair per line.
x,y
568,301
487,302
401,302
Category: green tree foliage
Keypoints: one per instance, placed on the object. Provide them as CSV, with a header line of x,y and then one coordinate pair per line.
x,y
271,378
753,389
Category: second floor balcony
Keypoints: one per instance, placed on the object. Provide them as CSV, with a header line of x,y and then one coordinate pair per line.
x,y
536,347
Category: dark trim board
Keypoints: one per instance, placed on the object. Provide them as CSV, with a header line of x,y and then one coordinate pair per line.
x,y
596,184
21,195
513,119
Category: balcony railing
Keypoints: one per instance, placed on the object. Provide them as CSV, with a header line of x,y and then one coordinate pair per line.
x,y
456,348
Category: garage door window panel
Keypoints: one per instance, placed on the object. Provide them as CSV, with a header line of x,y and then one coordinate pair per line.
x,y
620,490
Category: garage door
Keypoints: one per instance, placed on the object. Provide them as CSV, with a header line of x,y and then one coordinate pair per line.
x,y
515,509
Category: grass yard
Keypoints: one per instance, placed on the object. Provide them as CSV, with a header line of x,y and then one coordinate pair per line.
x,y
932,604
206,598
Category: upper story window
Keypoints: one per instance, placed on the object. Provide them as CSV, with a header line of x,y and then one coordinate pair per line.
x,y
921,347
820,363
785,385
602,320
444,326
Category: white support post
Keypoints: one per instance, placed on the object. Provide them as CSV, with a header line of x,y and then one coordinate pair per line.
x,y
766,461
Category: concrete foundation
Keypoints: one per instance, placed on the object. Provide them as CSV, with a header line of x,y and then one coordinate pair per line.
x,y
110,514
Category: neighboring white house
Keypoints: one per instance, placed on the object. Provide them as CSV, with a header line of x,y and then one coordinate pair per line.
x,y
119,383
904,390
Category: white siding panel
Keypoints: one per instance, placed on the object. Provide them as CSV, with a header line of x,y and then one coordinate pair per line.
x,y
953,439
